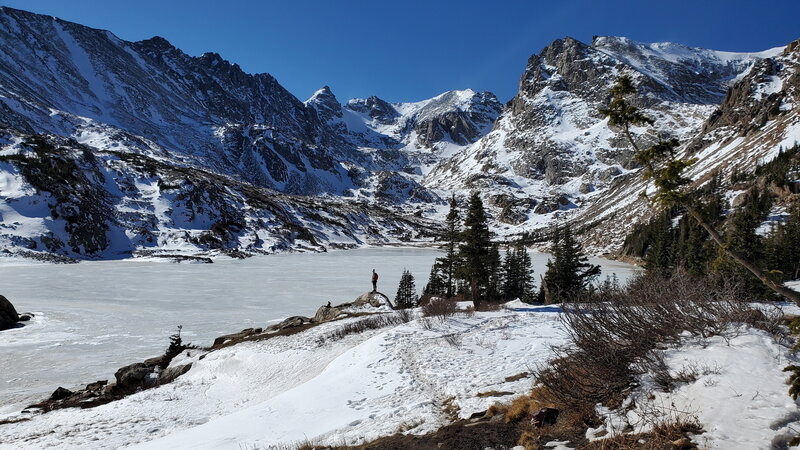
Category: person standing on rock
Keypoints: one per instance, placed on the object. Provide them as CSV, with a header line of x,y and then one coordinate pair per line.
x,y
374,281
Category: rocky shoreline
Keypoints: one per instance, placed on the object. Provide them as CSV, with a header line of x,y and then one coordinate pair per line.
x,y
164,369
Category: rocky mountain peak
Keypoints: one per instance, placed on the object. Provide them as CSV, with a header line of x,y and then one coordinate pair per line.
x,y
157,43
325,103
380,110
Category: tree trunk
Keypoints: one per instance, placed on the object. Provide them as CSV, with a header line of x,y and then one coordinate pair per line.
x,y
778,288
548,299
473,291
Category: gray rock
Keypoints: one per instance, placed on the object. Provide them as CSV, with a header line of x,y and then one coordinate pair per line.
x,y
373,298
327,313
8,315
171,373
97,386
132,376
61,393
244,333
291,322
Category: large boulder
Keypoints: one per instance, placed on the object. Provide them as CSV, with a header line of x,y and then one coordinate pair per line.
x,y
171,373
326,313
133,376
8,314
373,298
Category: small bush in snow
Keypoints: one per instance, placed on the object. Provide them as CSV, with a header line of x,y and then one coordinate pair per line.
x,y
439,308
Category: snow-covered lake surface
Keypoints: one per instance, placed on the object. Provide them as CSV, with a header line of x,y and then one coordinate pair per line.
x,y
94,317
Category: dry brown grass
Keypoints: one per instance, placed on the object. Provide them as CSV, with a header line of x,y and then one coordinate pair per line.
x,y
664,436
493,394
612,343
516,377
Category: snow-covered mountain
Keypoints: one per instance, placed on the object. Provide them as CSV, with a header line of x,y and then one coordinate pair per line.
x,y
758,116
551,150
204,115
545,156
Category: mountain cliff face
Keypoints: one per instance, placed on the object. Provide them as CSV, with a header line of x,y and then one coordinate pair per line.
x,y
150,149
67,79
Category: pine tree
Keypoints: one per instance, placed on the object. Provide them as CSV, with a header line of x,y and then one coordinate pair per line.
x,y
495,285
782,246
569,272
661,164
437,285
476,251
406,292
518,274
453,236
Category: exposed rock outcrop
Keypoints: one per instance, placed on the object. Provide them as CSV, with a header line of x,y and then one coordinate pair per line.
x,y
8,315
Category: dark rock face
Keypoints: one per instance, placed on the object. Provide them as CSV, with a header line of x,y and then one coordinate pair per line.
x,y
395,188
444,118
379,110
60,394
770,90
132,377
8,315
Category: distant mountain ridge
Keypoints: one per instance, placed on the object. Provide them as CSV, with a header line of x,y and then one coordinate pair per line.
x,y
545,156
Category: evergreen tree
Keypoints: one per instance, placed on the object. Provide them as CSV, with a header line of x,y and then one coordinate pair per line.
x,y
569,272
436,280
518,274
453,237
495,286
782,246
406,292
741,237
476,252
661,164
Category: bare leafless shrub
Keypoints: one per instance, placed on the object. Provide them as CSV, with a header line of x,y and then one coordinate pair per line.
x,y
369,323
614,341
453,339
426,323
439,308
405,315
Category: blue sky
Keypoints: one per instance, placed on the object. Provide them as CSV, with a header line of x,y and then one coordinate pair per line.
x,y
410,50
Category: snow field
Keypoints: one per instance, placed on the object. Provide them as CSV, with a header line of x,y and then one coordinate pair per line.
x,y
740,396
288,389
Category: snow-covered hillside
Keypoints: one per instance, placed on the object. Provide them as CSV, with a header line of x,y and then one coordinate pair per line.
x,y
758,117
70,199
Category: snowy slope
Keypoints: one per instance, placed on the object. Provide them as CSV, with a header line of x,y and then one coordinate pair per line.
x,y
757,118
288,389
736,409
310,388
65,198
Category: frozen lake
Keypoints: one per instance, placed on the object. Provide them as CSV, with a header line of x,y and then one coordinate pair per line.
x,y
95,317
